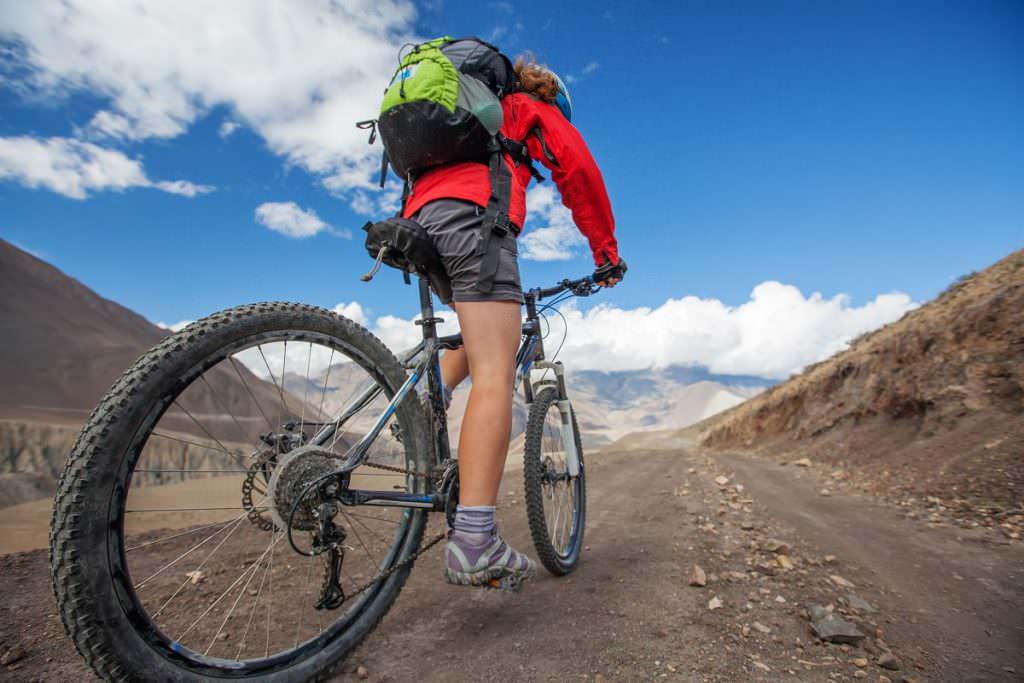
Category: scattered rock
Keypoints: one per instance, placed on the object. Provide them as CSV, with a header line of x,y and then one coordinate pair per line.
x,y
888,660
746,525
714,603
721,480
829,559
599,678
860,673
361,672
774,545
762,666
860,662
760,628
14,654
765,568
196,576
840,581
784,561
860,604
825,492
697,577
802,462
832,628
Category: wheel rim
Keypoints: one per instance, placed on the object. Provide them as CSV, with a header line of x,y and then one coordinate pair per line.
x,y
559,491
205,579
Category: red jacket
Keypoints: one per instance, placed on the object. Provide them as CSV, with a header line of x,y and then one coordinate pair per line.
x,y
572,168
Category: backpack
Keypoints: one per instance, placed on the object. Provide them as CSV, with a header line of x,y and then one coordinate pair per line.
x,y
443,105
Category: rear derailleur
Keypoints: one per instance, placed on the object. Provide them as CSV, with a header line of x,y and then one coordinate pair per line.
x,y
329,539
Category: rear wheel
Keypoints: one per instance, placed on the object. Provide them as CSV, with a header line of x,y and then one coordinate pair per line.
x,y
555,500
168,549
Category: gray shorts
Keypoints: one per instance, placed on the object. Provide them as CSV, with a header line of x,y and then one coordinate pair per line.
x,y
454,225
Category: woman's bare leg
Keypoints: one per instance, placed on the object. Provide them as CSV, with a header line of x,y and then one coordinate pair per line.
x,y
454,367
491,332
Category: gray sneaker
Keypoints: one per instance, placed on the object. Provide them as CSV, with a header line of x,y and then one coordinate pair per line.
x,y
491,564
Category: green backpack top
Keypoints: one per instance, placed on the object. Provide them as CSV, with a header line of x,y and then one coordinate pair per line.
x,y
443,104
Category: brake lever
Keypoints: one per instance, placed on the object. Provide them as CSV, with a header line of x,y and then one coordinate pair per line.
x,y
585,288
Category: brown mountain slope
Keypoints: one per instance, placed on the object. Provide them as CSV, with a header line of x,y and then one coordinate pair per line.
x,y
63,346
932,404
63,343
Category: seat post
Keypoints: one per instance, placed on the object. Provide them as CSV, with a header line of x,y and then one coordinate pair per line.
x,y
427,319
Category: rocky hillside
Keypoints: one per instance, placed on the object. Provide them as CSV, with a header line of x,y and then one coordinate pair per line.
x,y
931,405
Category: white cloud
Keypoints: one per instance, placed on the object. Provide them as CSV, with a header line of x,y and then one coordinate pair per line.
x,y
227,128
354,311
175,327
590,68
556,238
74,168
111,125
775,333
291,220
299,74
378,203
183,187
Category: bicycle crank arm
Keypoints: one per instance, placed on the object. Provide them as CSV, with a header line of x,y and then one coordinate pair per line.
x,y
395,499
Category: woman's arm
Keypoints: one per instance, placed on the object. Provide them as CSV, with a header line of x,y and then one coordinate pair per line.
x,y
556,143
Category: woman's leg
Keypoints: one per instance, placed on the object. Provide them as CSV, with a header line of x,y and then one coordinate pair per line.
x,y
491,331
454,367
476,555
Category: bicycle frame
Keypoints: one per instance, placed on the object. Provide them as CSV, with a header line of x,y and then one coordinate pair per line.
x,y
530,356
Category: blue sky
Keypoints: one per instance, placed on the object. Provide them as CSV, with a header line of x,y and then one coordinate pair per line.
x,y
853,148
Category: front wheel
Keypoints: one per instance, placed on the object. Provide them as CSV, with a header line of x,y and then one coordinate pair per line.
x,y
556,501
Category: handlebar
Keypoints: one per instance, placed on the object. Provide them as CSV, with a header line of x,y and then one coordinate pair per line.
x,y
584,286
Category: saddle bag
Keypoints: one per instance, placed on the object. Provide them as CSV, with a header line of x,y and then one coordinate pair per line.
x,y
405,244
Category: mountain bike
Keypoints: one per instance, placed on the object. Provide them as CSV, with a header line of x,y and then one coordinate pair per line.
x,y
250,496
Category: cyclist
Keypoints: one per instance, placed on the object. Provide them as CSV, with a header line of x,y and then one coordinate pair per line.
x,y
449,202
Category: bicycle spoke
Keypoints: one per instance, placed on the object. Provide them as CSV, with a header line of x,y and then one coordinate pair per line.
x,y
188,579
205,431
188,552
172,536
217,400
360,539
255,603
280,390
234,365
192,443
327,382
221,597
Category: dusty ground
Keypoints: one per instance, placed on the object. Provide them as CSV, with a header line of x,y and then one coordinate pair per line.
x,y
947,599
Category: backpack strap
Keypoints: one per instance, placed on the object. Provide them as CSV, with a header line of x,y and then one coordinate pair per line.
x,y
521,155
496,223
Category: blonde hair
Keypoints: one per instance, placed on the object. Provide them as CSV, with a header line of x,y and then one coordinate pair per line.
x,y
536,79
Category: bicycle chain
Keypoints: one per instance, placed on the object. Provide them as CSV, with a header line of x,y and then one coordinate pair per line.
x,y
397,567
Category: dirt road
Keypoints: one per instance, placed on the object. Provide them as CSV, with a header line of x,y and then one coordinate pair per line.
x,y
629,613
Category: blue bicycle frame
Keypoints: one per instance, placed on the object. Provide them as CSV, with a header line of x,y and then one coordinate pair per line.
x,y
530,356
